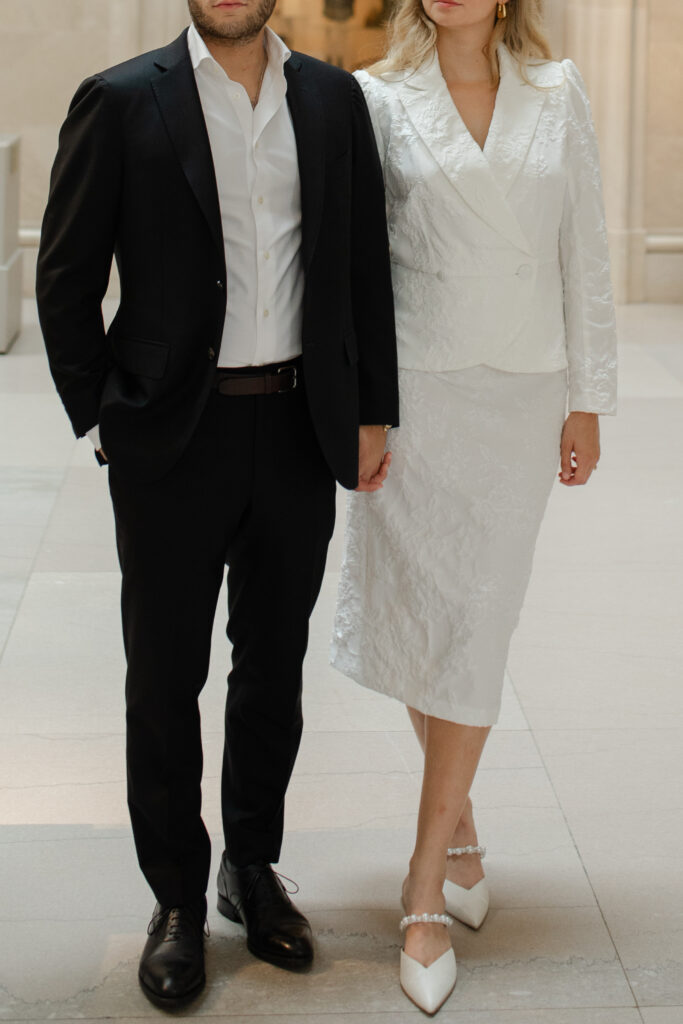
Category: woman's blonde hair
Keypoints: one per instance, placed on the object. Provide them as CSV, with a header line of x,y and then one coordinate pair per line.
x,y
412,37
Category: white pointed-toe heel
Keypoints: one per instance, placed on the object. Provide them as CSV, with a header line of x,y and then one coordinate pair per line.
x,y
428,987
467,905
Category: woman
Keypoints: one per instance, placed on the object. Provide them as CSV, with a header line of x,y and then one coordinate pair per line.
x,y
503,299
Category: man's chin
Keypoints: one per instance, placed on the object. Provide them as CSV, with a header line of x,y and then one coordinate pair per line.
x,y
234,24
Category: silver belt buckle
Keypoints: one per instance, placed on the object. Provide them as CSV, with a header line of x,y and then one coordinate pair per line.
x,y
287,369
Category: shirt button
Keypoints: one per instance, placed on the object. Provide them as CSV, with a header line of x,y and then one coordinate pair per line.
x,y
525,272
267,255
212,353
266,313
260,200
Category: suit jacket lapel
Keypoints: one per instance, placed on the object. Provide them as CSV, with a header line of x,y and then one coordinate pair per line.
x,y
518,108
435,117
309,129
178,99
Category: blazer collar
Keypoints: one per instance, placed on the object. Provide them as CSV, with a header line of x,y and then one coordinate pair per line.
x,y
308,119
518,108
178,100
483,178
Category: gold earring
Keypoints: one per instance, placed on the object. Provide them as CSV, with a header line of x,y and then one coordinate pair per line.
x,y
502,11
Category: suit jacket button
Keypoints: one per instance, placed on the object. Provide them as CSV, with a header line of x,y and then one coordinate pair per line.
x,y
212,353
525,271
220,285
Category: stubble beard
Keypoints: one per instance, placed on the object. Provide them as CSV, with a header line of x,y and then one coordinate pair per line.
x,y
244,32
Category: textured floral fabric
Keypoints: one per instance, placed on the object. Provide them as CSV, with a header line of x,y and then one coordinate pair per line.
x,y
437,563
499,257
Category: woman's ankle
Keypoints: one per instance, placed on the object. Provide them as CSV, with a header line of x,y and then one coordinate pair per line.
x,y
465,832
423,892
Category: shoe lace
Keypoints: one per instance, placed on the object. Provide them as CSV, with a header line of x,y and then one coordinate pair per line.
x,y
175,922
174,926
282,879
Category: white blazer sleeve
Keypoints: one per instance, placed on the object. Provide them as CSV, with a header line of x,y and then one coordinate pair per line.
x,y
588,303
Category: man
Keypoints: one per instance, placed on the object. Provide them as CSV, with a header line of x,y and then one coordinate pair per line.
x,y
220,167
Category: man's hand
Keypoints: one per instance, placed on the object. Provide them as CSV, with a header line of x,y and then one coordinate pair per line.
x,y
580,448
373,462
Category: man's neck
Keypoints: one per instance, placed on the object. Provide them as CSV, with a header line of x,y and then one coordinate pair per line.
x,y
241,61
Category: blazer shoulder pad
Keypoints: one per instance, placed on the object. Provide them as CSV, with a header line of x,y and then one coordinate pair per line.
x,y
547,74
135,70
327,72
576,92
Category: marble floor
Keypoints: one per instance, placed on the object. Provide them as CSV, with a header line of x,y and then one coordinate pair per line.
x,y
579,797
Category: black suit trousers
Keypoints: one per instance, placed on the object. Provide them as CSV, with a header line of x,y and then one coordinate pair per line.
x,y
252,491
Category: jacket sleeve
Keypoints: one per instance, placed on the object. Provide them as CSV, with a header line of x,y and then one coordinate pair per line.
x,y
76,250
584,257
372,292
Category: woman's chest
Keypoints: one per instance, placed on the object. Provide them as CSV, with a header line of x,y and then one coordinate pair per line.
x,y
447,175
475,103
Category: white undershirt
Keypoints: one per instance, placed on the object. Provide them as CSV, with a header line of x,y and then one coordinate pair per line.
x,y
259,191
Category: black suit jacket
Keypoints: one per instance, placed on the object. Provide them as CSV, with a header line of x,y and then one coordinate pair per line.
x,y
134,178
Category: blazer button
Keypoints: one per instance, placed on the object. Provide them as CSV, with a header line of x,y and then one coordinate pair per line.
x,y
212,353
220,285
525,271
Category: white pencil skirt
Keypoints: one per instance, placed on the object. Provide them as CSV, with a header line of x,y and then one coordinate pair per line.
x,y
437,564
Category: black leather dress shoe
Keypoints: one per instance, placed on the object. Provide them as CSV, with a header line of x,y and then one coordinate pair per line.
x,y
255,897
172,965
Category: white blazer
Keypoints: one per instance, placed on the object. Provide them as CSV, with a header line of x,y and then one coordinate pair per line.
x,y
499,257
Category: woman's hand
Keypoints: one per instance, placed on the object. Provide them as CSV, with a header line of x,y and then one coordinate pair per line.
x,y
373,462
580,449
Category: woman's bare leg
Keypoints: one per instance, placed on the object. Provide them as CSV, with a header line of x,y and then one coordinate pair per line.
x,y
419,724
452,753
467,869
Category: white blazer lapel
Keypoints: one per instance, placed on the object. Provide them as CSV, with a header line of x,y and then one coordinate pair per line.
x,y
428,103
518,108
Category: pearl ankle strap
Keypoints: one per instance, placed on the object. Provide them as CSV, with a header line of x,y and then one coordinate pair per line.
x,y
425,919
459,851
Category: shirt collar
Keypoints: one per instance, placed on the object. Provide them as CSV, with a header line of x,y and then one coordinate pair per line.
x,y
278,52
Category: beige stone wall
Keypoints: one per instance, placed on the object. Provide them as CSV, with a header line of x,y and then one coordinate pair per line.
x,y
631,55
629,51
663,171
47,47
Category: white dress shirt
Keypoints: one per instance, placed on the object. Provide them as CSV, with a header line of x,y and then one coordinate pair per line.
x,y
259,191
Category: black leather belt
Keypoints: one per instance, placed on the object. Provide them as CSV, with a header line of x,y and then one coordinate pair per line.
x,y
275,379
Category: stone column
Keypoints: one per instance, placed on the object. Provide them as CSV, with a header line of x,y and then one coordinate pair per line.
x,y
10,253
608,41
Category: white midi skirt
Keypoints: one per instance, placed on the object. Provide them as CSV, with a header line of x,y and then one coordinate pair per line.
x,y
437,564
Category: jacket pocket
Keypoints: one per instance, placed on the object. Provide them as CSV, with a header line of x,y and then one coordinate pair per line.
x,y
351,347
141,357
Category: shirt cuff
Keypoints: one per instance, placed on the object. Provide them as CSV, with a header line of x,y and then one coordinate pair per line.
x,y
94,436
